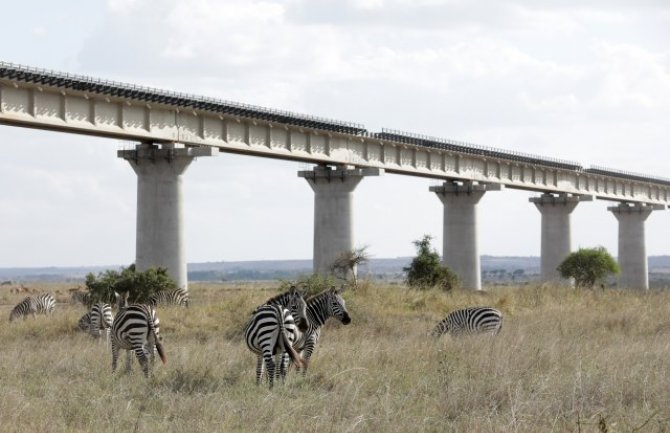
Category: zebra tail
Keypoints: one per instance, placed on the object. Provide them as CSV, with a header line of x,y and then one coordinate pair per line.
x,y
297,359
159,348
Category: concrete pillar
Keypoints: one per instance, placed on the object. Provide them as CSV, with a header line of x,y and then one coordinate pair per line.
x,y
632,246
160,222
556,237
460,249
333,211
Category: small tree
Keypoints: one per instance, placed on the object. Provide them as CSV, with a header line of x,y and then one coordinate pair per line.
x,y
140,285
588,265
347,263
425,271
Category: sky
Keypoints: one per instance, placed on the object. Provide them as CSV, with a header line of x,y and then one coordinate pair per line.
x,y
582,80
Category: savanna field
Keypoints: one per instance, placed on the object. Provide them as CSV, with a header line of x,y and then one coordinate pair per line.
x,y
565,360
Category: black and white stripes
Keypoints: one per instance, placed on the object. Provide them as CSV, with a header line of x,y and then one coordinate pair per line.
x,y
472,320
272,331
136,328
177,297
41,304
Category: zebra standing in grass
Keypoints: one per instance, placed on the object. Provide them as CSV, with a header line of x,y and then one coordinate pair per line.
x,y
23,308
174,297
472,320
84,322
45,303
136,328
101,318
320,308
272,331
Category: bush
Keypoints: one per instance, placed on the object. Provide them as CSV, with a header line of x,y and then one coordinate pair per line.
x,y
588,265
310,284
425,271
140,285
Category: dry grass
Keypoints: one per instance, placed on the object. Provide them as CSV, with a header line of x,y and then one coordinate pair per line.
x,y
565,361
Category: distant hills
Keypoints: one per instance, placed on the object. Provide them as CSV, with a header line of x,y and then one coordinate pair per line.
x,y
494,269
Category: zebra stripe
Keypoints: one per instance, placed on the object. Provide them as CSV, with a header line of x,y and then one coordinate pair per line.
x,y
136,327
272,330
42,304
320,308
472,320
174,297
22,309
84,322
101,318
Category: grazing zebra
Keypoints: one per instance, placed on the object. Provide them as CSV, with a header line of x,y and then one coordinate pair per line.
x,y
23,308
42,304
472,320
84,322
320,308
101,318
136,328
272,331
174,297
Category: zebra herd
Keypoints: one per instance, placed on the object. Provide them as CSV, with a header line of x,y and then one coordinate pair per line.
x,y
285,328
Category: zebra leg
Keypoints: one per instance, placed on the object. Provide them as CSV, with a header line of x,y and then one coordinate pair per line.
x,y
115,356
259,369
283,366
128,361
270,364
141,354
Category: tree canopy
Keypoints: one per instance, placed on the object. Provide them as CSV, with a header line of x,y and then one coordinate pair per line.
x,y
588,266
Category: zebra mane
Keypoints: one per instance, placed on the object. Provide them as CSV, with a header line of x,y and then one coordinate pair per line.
x,y
283,296
324,294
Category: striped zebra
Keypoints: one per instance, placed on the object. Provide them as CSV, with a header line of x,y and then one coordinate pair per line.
x,y
101,318
174,297
23,308
272,331
320,308
472,320
45,303
84,322
136,328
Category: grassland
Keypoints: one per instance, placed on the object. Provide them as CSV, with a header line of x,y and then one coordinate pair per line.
x,y
565,360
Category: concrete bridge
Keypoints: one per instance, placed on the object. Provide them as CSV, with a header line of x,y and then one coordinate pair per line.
x,y
173,128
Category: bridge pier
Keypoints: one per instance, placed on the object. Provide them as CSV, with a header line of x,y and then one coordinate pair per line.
x,y
460,249
160,222
333,211
556,233
632,246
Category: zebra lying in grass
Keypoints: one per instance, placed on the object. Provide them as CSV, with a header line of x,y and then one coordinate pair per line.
x,y
41,304
472,320
136,328
320,308
272,331
174,297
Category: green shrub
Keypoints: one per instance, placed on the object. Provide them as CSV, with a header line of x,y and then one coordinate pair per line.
x,y
425,271
588,265
140,285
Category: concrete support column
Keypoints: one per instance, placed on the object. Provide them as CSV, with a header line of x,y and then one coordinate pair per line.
x,y
333,211
160,222
556,236
460,249
632,246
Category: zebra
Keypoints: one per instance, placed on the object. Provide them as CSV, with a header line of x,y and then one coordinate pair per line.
x,y
174,297
84,322
101,318
320,308
136,328
26,306
272,331
472,320
45,303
